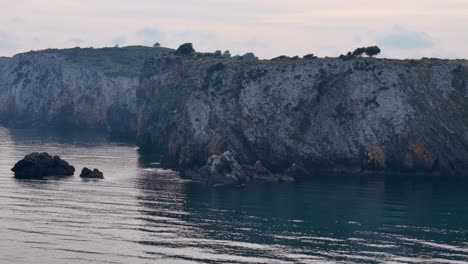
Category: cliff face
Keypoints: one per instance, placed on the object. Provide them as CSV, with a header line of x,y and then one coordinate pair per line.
x,y
77,88
353,115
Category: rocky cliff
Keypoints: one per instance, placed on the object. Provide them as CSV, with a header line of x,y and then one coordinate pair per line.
x,y
349,115
74,88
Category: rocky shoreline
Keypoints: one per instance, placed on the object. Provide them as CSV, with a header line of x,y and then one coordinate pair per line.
x,y
222,120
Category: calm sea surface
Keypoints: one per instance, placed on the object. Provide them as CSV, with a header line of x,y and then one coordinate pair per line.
x,y
143,214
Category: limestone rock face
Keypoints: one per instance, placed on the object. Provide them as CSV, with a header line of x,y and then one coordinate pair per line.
x,y
47,90
340,115
38,165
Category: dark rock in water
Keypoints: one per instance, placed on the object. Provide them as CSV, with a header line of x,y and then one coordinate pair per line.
x,y
220,169
225,170
37,165
91,174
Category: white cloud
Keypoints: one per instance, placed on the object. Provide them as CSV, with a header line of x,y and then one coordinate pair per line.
x,y
149,35
75,41
7,41
266,27
401,38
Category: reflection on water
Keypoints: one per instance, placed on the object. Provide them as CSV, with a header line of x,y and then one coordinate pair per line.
x,y
143,214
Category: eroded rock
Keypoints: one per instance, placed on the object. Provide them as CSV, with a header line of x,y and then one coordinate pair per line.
x,y
220,169
38,165
91,174
224,169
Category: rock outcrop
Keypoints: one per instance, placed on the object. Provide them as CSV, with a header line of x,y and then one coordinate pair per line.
x,y
38,165
225,170
73,88
91,174
220,169
324,114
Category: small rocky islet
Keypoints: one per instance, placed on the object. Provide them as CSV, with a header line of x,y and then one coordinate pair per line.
x,y
39,165
91,174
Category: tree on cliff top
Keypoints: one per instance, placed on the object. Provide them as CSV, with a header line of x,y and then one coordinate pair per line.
x,y
369,51
359,52
185,49
372,51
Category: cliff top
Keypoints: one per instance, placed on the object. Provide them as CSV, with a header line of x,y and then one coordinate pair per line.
x,y
124,61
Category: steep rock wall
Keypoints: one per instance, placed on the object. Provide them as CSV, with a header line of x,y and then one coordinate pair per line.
x,y
73,88
346,115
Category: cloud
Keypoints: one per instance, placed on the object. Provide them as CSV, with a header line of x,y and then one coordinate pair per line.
x,y
120,40
7,41
149,36
254,43
17,20
358,39
190,35
401,38
75,41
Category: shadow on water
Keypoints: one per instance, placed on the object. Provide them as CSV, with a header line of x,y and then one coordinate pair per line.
x,y
42,183
354,218
67,136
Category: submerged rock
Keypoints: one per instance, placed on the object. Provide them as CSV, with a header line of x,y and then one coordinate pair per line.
x,y
37,165
91,174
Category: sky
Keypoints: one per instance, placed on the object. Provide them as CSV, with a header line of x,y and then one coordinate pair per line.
x,y
269,28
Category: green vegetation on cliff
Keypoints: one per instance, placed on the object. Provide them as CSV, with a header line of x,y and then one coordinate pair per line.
x,y
125,61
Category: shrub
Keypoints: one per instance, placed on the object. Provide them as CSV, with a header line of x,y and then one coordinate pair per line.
x,y
348,56
359,52
282,57
310,56
249,57
185,49
369,51
227,54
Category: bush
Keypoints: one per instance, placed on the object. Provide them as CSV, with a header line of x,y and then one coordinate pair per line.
x,y
359,52
310,56
348,56
185,49
227,54
369,51
249,57
282,57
